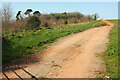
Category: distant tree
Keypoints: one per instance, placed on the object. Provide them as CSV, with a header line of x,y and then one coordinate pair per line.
x,y
95,16
52,14
57,17
18,14
37,13
6,15
64,13
28,11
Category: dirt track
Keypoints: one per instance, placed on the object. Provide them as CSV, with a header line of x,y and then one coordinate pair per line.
x,y
73,56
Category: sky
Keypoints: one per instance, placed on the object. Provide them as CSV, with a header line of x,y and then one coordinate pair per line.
x,y
106,10
60,0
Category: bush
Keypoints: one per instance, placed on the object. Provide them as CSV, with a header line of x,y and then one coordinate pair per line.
x,y
75,21
65,22
33,22
46,25
104,24
100,23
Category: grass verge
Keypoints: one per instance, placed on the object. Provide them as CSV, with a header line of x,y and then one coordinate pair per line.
x,y
110,56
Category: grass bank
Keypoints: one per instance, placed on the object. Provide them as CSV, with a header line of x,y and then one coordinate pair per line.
x,y
110,56
25,42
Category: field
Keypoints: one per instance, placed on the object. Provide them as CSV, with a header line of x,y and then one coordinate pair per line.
x,y
18,44
115,21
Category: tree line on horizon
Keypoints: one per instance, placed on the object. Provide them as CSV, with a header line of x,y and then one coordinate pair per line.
x,y
28,11
31,21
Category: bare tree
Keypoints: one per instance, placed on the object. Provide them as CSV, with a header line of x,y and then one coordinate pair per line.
x,y
6,15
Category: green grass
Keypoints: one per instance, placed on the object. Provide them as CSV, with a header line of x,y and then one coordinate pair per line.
x,y
20,43
110,56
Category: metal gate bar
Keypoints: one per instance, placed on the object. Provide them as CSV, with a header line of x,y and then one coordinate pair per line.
x,y
5,76
17,74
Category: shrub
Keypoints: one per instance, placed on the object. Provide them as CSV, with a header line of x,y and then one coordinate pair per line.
x,y
104,24
33,22
75,21
100,23
65,22
46,24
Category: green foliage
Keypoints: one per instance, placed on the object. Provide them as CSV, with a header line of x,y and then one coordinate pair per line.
x,y
33,22
11,50
32,41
